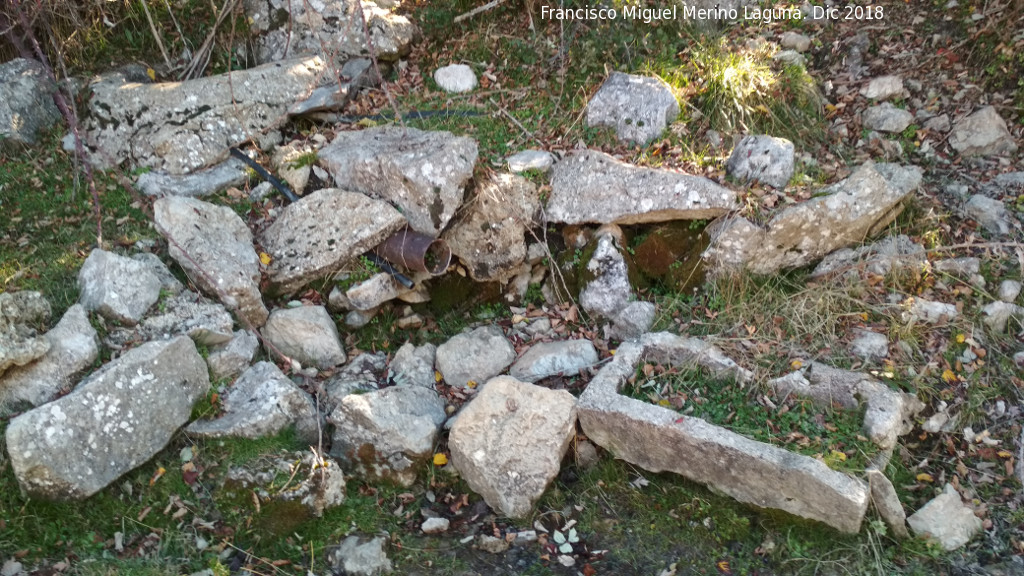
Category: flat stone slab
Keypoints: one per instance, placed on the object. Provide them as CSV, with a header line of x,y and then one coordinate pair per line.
x,y
983,133
565,357
26,102
593,187
638,107
117,287
658,439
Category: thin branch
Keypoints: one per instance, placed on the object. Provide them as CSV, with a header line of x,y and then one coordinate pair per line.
x,y
475,11
156,34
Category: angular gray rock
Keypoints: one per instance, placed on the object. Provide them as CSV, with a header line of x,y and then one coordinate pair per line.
x,y
983,133
887,503
317,483
231,172
26,102
657,439
74,346
168,283
306,334
846,213
892,253
869,345
355,74
990,214
227,361
938,123
930,311
455,78
214,247
357,556
609,294
188,313
435,525
638,107
262,402
883,88
364,373
490,236
565,357
946,519
181,127
475,356
1001,315
372,292
420,173
21,315
316,236
885,117
508,442
117,287
1009,290
413,366
116,419
386,434
593,187
964,267
762,159
539,160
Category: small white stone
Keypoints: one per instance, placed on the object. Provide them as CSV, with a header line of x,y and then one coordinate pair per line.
x,y
435,525
455,78
1009,290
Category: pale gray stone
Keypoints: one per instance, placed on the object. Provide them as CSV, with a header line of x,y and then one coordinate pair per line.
x,y
657,439
565,357
306,334
764,159
1001,315
337,301
168,283
422,173
633,321
214,247
790,58
884,88
509,441
885,117
593,187
227,361
413,366
609,294
795,41
892,253
74,346
475,356
359,318
491,544
117,287
386,434
188,313
316,236
983,133
262,402
314,481
435,525
887,503
990,214
946,519
357,556
869,345
1010,180
372,292
638,107
931,312
27,108
231,172
938,123
539,160
364,373
21,315
964,267
355,74
116,419
455,78
1009,290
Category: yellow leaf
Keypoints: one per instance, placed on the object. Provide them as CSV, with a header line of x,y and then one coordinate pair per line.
x,y
960,338
440,459
159,472
664,402
1005,454
796,364
265,258
838,455
864,316
151,73
437,376
471,384
924,477
948,375
612,352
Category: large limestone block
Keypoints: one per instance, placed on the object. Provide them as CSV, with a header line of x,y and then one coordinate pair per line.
x,y
323,231
116,419
421,173
21,313
638,107
593,187
214,247
26,101
565,357
508,442
762,158
657,439
983,133
117,287
307,334
474,356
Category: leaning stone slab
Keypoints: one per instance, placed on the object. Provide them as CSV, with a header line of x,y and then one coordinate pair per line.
x,y
983,133
74,346
421,173
307,334
760,158
214,247
565,357
657,439
475,356
323,231
593,187
117,287
508,442
116,419
638,107
946,520
314,482
879,258
26,102
262,402
846,213
231,172
181,127
21,313
887,503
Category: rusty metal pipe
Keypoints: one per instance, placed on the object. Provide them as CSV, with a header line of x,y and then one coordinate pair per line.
x,y
416,251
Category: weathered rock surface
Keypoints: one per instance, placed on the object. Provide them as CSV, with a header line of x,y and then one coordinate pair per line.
x,y
656,439
946,519
490,237
930,311
887,503
188,313
387,433
262,402
26,102
74,346
878,258
455,78
848,212
593,187
609,294
231,172
117,287
1009,290
509,441
327,27
1002,315
355,74
991,214
116,419
638,107
357,556
795,41
413,366
168,283
761,158
214,247
307,334
181,127
869,345
421,173
883,88
540,160
364,373
983,133
21,313
475,356
318,484
886,118
323,231
565,357
372,292
227,361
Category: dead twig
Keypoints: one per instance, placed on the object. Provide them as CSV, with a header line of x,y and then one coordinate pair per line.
x,y
490,5
156,34
512,119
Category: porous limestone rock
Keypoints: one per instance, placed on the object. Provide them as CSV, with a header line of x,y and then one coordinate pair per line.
x,y
946,519
883,88
117,287
892,253
593,187
357,556
372,292
314,481
116,419
539,160
188,313
421,173
474,356
199,183
761,158
214,247
983,133
21,314
887,503
455,78
508,442
227,361
869,345
638,107
565,357
316,236
413,366
885,117
306,334
364,373
27,108
168,283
